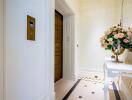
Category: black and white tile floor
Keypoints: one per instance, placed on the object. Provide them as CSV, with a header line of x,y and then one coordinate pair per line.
x,y
89,87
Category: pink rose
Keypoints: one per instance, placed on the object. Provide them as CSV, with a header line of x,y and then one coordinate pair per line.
x,y
114,33
119,36
126,40
129,34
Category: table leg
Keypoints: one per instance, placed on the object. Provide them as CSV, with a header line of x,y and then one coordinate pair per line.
x,y
106,91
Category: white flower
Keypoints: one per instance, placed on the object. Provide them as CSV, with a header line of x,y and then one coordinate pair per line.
x,y
110,39
111,42
115,29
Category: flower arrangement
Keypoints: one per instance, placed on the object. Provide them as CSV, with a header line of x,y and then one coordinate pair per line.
x,y
116,37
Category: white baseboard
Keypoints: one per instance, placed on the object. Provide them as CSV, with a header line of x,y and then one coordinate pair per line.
x,y
91,69
53,96
69,76
42,98
48,97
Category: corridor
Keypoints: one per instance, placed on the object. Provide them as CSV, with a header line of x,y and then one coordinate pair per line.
x,y
62,49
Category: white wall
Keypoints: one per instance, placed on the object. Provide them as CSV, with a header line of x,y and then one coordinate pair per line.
x,y
28,64
74,5
96,16
1,49
127,18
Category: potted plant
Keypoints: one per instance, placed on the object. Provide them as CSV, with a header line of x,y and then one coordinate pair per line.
x,y
117,40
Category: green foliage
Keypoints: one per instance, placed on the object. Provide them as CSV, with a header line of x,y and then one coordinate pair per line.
x,y
109,47
110,36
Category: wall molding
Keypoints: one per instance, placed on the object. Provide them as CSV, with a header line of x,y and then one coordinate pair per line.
x,y
68,37
48,97
91,69
2,50
50,8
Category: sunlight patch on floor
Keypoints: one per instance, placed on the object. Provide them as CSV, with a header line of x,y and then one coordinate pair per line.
x,y
62,87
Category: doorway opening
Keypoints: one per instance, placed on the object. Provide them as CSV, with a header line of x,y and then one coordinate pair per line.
x,y
58,46
68,57
68,70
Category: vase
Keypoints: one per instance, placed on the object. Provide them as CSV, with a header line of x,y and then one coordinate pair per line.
x,y
117,53
128,57
116,58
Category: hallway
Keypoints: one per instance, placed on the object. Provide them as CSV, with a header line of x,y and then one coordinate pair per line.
x,y
37,49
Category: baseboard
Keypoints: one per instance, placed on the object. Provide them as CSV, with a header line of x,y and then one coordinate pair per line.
x,y
48,97
70,77
42,98
52,96
90,69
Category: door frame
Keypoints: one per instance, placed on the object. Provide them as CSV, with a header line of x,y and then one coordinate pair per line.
x,y
68,38
2,53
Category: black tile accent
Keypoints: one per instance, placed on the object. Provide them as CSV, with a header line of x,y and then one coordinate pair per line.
x,y
116,91
80,97
71,90
96,76
93,92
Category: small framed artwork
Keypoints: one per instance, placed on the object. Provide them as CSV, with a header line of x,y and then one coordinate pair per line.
x,y
30,28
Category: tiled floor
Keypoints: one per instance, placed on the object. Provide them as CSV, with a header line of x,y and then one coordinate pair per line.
x,y
62,87
89,88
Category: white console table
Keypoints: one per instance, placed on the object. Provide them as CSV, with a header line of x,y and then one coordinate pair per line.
x,y
111,71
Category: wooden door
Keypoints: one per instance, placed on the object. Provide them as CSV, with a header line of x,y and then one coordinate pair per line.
x,y
58,46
